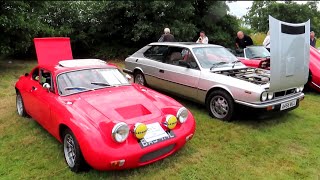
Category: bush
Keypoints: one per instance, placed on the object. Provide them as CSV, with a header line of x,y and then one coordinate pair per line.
x,y
258,38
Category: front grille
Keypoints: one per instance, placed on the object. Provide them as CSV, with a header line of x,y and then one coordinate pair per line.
x,y
283,93
156,154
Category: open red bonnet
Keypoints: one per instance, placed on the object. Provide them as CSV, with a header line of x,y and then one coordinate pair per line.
x,y
52,50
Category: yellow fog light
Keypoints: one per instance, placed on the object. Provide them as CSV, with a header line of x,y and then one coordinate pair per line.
x,y
171,122
140,130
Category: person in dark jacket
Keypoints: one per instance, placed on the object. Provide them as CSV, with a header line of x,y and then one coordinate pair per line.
x,y
166,37
242,40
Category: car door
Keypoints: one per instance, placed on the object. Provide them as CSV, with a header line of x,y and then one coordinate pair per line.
x,y
150,62
42,98
180,72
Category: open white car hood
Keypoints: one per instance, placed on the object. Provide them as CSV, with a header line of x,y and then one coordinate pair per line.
x,y
290,51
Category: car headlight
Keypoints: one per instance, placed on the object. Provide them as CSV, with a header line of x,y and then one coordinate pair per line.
x,y
140,130
270,95
182,114
120,132
264,96
297,89
171,121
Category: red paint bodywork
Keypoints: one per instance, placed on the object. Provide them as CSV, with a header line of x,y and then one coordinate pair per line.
x,y
52,50
314,67
91,115
257,62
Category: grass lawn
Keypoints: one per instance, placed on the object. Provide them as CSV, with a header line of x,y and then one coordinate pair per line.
x,y
278,147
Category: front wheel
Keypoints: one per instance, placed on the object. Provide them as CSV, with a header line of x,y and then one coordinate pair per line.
x,y
220,105
20,105
72,152
139,78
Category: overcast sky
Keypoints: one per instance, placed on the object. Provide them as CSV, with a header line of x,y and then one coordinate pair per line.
x,y
240,8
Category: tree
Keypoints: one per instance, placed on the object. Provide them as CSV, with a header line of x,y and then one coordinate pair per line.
x,y
291,12
107,29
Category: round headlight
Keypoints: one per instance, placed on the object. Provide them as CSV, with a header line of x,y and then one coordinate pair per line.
x,y
182,114
298,89
171,122
120,132
140,130
264,96
270,95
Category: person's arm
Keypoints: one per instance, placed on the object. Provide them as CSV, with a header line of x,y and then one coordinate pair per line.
x,y
237,45
161,39
265,41
198,41
250,41
205,40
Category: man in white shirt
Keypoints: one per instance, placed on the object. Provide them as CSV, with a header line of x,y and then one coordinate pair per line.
x,y
266,42
203,38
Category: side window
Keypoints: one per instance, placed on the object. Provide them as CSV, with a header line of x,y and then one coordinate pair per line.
x,y
46,77
35,74
156,52
181,57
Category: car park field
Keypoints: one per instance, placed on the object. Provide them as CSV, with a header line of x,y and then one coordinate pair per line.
x,y
282,146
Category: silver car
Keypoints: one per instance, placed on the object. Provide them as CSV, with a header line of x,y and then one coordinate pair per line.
x,y
208,74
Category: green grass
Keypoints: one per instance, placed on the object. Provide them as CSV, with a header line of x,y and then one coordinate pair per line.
x,y
278,147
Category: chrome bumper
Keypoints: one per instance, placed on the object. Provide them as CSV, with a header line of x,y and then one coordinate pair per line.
x,y
273,103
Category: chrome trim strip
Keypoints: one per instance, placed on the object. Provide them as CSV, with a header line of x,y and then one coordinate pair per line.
x,y
315,84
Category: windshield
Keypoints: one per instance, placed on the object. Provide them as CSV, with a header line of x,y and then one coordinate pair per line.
x,y
209,57
89,79
256,52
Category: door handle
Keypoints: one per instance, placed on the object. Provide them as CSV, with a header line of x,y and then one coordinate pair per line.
x,y
137,60
161,71
33,88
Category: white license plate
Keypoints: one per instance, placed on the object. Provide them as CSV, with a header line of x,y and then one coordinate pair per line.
x,y
288,105
154,132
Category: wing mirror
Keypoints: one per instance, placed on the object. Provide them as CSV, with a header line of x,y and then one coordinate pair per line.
x,y
184,63
46,86
26,74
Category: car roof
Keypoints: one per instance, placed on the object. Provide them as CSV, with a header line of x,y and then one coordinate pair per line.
x,y
76,64
184,44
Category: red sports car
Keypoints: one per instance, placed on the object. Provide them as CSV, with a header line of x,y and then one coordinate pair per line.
x,y
255,56
258,56
101,119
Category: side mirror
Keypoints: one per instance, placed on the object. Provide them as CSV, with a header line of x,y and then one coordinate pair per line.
x,y
184,63
46,86
128,77
26,74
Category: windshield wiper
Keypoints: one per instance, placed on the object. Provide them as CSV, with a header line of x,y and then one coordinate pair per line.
x,y
100,83
217,64
234,63
76,88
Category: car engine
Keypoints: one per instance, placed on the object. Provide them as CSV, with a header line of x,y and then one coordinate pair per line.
x,y
254,75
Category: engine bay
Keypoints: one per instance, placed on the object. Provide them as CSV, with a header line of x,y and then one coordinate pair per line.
x,y
254,75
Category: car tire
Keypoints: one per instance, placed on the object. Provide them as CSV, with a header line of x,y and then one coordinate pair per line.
x,y
220,105
139,78
72,152
20,105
